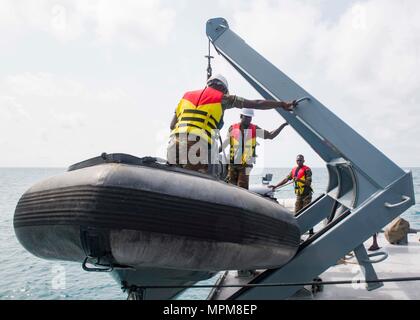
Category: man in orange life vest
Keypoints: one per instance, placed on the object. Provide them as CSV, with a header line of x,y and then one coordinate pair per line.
x,y
302,177
242,138
199,117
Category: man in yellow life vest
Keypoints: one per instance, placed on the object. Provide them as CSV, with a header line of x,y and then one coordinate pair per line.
x,y
198,119
302,177
242,138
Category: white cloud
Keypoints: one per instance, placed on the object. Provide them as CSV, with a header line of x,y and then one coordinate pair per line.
x,y
70,121
362,65
51,114
111,95
48,85
361,61
42,85
132,23
11,110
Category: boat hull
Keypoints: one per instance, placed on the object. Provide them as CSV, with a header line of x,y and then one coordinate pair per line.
x,y
153,216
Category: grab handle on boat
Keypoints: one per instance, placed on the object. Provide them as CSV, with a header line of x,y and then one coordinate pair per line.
x,y
302,99
96,269
405,200
382,255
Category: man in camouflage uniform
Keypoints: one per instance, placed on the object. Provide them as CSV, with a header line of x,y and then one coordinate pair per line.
x,y
199,116
242,138
302,177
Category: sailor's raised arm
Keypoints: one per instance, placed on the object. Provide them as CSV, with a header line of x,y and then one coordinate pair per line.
x,y
268,104
284,181
267,135
232,101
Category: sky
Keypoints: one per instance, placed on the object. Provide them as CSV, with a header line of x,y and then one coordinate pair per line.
x,y
82,77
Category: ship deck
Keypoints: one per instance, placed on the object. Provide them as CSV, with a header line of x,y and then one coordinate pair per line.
x,y
403,261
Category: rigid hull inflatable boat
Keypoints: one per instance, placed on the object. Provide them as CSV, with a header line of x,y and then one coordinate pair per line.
x,y
150,223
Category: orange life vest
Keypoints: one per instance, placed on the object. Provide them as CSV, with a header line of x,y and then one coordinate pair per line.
x,y
243,145
200,112
300,174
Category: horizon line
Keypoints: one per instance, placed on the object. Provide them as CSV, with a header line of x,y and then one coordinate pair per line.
x,y
255,168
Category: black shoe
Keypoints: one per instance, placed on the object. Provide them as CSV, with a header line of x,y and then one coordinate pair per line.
x,y
374,247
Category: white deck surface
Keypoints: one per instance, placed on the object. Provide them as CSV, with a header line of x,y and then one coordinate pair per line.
x,y
403,261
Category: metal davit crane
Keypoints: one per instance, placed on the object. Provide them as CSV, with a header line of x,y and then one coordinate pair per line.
x,y
366,190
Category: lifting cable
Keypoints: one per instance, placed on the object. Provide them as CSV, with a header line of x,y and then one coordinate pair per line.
x,y
209,57
209,74
291,284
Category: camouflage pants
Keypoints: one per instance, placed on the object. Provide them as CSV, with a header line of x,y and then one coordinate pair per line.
x,y
178,153
302,202
239,175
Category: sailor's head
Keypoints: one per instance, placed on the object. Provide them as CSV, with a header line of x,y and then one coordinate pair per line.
x,y
246,116
300,160
218,82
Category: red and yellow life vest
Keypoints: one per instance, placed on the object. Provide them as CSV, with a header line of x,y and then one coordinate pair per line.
x,y
199,113
243,144
299,174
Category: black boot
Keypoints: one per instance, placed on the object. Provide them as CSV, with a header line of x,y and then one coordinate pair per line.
x,y
374,246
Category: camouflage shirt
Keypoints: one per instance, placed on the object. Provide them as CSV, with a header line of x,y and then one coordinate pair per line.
x,y
231,101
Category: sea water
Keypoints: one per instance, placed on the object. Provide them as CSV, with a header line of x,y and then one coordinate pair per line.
x,y
24,276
